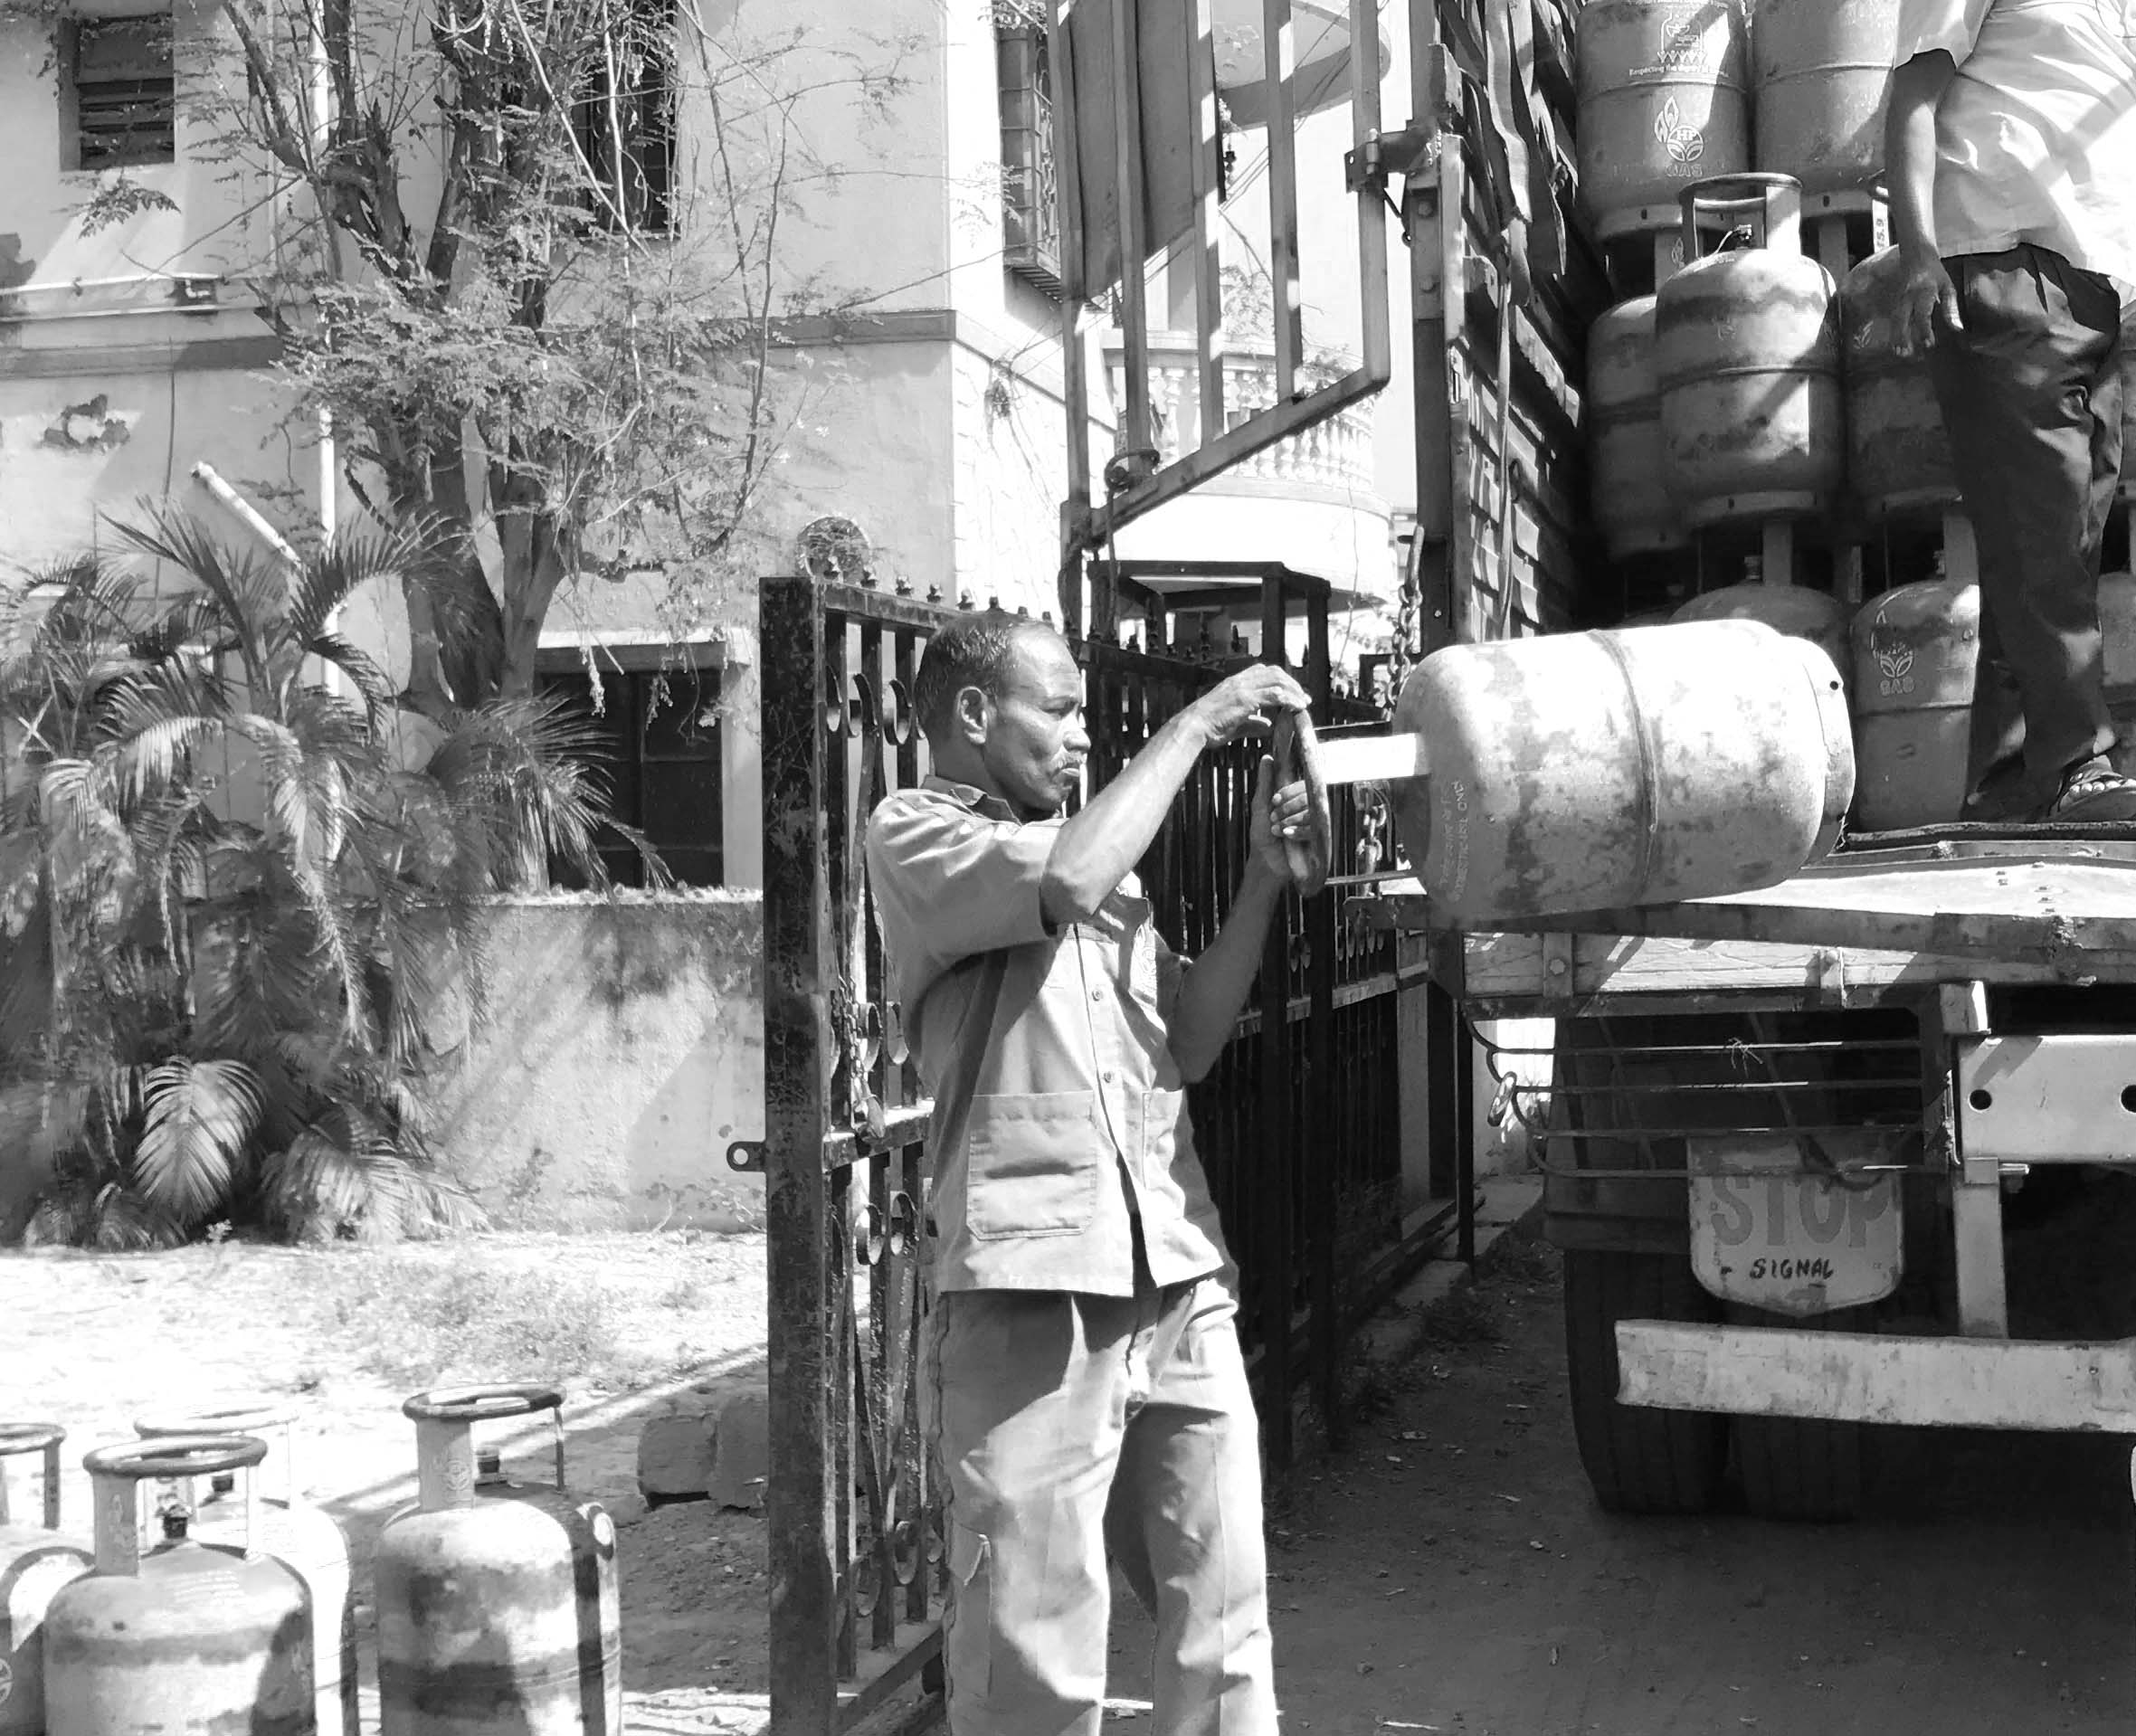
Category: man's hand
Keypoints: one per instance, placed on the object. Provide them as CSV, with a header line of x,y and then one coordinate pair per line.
x,y
1239,706
1278,814
1926,294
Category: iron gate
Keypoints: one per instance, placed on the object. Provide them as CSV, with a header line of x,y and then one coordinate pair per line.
x,y
1297,1124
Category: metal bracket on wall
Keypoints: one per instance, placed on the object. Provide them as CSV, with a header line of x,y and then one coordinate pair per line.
x,y
745,1155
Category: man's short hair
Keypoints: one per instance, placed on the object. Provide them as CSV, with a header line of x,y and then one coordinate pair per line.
x,y
973,651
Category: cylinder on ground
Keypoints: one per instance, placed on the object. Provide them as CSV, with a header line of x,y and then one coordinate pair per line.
x,y
1898,455
188,1639
1663,99
1632,508
1597,771
1915,650
298,1534
1818,72
498,1605
36,1561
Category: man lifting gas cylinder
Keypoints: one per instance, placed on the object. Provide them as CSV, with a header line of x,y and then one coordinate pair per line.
x,y
1086,1392
2011,150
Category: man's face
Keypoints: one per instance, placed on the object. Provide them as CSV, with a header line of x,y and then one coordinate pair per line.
x,y
1035,744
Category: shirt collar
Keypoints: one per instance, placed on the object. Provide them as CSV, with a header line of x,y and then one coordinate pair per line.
x,y
971,796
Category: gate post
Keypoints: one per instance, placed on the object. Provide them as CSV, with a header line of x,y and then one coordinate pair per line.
x,y
798,962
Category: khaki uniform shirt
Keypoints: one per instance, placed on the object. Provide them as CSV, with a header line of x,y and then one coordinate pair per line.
x,y
2035,137
1059,1111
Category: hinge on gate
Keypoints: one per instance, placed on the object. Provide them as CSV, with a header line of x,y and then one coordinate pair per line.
x,y
1413,151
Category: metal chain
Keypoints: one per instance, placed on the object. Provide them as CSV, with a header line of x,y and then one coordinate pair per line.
x,y
1408,603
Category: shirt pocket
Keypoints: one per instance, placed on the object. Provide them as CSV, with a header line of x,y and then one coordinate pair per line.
x,y
1033,1164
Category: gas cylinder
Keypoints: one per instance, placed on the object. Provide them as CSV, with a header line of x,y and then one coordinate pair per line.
x,y
1815,615
1747,346
2117,622
1632,508
295,1533
187,1639
1663,98
1818,69
36,1561
1898,456
1595,771
1915,649
498,1604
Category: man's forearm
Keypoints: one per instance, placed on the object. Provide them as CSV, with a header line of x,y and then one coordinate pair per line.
x,y
1213,991
1910,150
1097,847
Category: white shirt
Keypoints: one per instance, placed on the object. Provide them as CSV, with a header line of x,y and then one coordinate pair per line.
x,y
2035,137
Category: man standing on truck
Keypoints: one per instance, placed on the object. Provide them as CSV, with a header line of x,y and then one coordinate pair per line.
x,y
2010,146
1087,1391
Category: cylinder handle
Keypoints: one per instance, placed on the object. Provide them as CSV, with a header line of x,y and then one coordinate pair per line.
x,y
117,1473
175,1455
1774,201
233,1420
1296,749
446,1467
480,1403
34,1437
229,1419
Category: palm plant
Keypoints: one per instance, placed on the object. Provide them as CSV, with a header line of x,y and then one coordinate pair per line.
x,y
236,892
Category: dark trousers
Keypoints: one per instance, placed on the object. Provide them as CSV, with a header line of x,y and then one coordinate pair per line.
x,y
2031,394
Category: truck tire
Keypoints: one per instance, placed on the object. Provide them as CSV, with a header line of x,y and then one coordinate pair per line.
x,y
1639,1461
1802,1470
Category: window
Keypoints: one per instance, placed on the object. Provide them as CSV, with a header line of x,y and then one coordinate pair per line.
x,y
1031,220
661,735
624,122
123,103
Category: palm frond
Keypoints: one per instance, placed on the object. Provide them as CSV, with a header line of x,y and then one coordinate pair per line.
x,y
40,1118
364,674
109,1216
341,568
199,1120
252,589
343,1176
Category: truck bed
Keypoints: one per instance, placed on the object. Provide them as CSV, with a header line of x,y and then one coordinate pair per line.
x,y
1890,914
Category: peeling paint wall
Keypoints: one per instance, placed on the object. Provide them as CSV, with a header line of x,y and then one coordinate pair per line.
x,y
622,1052
75,449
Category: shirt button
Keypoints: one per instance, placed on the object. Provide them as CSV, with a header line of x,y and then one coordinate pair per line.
x,y
1097,994
1106,1075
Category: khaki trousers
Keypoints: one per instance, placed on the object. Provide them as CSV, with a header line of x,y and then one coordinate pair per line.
x,y
1067,1428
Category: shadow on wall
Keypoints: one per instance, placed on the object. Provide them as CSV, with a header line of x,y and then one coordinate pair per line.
x,y
621,1054
15,268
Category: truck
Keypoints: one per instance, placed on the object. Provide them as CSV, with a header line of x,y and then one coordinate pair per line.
x,y
1782,1130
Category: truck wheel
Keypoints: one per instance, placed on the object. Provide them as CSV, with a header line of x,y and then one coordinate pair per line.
x,y
1639,1461
1801,1468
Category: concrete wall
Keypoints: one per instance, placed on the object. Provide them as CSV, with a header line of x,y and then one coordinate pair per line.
x,y
623,1051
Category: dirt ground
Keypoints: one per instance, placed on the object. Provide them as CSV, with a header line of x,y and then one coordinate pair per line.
x,y
1450,1572
1447,1571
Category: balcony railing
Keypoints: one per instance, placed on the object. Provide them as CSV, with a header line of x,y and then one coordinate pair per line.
x,y
1335,455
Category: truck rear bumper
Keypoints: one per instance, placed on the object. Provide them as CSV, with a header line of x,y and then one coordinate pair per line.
x,y
1866,1377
